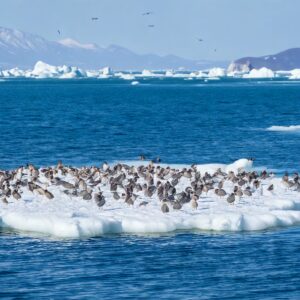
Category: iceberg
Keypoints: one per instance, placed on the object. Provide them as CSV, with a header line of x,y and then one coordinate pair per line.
x,y
295,74
261,73
15,72
216,72
126,76
44,70
147,73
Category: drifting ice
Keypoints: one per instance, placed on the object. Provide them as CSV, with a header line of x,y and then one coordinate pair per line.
x,y
66,216
43,70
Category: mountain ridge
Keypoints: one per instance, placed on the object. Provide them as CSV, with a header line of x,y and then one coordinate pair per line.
x,y
23,50
285,60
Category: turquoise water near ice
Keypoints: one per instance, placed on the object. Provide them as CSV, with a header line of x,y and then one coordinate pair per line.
x,y
86,122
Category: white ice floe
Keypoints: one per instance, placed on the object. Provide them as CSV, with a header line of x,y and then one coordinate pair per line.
x,y
216,72
126,76
44,70
260,73
295,74
147,73
66,216
107,71
15,72
170,73
290,128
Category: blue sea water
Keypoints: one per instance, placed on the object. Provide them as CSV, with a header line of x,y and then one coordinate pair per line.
x,y
86,122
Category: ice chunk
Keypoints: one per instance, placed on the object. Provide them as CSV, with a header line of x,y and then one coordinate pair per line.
x,y
216,72
295,74
290,128
261,73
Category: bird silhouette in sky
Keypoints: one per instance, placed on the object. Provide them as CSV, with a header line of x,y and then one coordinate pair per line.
x,y
147,13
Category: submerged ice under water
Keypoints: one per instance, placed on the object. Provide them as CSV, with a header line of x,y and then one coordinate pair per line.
x,y
88,122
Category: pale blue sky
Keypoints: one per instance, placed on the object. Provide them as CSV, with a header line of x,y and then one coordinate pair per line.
x,y
234,27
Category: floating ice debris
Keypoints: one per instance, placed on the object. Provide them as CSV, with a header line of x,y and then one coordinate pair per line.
x,y
127,76
295,74
216,72
107,71
44,70
261,73
147,73
290,128
131,197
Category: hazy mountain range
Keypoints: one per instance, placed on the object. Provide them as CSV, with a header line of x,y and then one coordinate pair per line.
x,y
285,60
23,50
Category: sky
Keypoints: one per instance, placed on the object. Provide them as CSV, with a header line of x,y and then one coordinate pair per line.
x,y
235,28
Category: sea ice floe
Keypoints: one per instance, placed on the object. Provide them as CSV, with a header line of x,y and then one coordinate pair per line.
x,y
295,74
44,70
69,216
291,128
216,72
261,73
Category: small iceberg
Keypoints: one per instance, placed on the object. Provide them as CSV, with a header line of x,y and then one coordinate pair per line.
x,y
291,128
260,73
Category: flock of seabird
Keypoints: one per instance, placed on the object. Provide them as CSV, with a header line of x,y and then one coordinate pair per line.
x,y
94,19
147,13
141,184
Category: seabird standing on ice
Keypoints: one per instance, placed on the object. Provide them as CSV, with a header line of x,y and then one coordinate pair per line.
x,y
165,208
231,198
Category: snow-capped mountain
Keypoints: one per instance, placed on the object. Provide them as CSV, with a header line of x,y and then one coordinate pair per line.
x,y
285,60
23,50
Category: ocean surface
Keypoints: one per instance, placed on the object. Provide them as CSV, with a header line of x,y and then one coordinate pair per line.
x,y
87,122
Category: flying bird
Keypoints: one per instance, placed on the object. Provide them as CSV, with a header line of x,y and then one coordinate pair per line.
x,y
200,40
58,31
95,18
151,25
147,13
